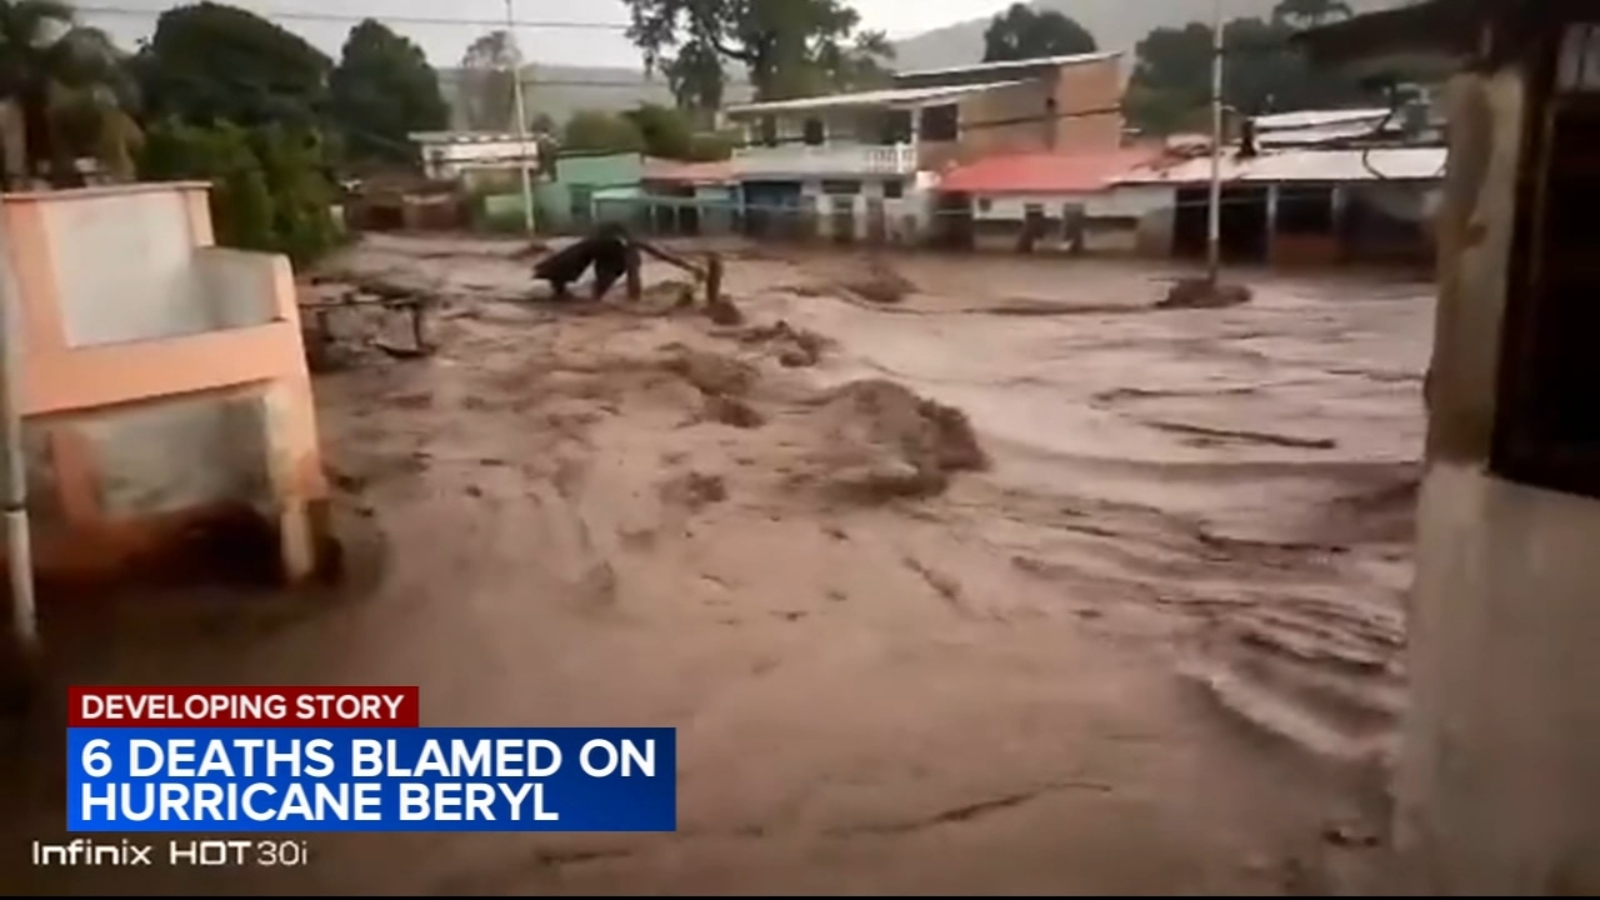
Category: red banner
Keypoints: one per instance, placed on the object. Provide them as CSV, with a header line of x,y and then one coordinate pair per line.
x,y
243,707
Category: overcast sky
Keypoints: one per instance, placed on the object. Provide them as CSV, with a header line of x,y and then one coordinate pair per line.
x,y
445,42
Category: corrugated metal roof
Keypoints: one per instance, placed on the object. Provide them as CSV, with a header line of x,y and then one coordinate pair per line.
x,y
1302,137
1074,59
1312,118
1378,164
689,173
889,97
1045,173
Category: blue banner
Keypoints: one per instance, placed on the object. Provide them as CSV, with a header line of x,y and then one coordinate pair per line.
x,y
220,780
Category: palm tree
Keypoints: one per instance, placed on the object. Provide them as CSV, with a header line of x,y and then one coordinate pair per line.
x,y
62,79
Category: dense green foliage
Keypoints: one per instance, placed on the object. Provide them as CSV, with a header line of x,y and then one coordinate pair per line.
x,y
211,63
591,131
791,48
1022,33
382,91
651,129
1263,72
269,191
238,101
68,83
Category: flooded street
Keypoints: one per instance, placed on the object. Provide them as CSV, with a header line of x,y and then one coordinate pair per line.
x,y
1016,585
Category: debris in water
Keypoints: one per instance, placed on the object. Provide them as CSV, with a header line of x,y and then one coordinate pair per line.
x,y
880,284
885,441
722,311
733,412
713,374
1202,293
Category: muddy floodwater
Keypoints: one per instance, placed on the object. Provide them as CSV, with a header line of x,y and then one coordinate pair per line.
x,y
955,574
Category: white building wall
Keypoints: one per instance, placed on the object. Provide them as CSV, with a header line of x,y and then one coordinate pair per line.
x,y
446,161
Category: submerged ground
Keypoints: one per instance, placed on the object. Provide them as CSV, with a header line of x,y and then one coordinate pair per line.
x,y
1146,640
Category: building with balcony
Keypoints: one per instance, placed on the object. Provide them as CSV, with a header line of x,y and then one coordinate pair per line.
x,y
471,156
866,165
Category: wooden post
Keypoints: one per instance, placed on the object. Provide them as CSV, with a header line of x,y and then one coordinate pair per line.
x,y
635,285
417,330
713,279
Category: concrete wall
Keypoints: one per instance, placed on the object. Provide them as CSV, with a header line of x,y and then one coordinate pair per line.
x,y
578,177
1499,775
1126,219
162,379
905,218
452,160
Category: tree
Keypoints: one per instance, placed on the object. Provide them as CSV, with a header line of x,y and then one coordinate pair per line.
x,y
695,77
790,47
489,89
383,90
1022,33
591,131
1310,13
211,63
269,192
1171,77
67,85
666,132
1262,73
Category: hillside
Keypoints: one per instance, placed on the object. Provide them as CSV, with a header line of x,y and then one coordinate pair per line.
x,y
560,91
1116,24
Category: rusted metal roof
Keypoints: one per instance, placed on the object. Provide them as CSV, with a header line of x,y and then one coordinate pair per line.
x,y
1046,173
890,97
1074,59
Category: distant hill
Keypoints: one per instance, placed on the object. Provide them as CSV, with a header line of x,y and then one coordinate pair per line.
x,y
1115,24
560,91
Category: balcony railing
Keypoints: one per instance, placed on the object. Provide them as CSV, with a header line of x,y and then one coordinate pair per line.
x,y
828,159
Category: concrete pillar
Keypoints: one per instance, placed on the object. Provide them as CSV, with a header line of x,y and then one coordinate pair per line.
x,y
1498,784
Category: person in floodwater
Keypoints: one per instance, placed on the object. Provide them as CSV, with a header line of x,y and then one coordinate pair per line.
x,y
609,249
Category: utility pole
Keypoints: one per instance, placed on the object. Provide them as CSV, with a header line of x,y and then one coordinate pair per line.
x,y
1214,233
523,157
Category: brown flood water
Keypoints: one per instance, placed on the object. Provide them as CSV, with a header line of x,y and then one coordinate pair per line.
x,y
1151,646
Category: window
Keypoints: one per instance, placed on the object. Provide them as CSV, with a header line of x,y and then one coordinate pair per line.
x,y
816,134
1547,428
769,131
894,189
898,127
841,188
941,123
985,205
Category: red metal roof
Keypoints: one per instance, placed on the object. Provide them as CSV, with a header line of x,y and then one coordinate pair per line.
x,y
656,169
1045,173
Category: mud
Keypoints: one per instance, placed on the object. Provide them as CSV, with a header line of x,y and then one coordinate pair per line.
x,y
1098,608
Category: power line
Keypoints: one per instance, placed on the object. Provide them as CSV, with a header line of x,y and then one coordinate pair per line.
x,y
311,16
